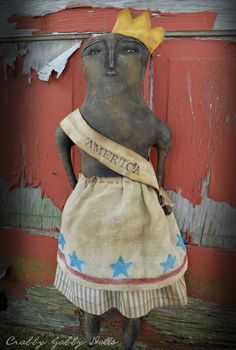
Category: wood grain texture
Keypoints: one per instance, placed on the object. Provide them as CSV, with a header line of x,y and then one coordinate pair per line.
x,y
24,207
192,103
35,111
194,84
192,87
37,55
44,308
31,259
193,91
210,223
84,20
225,10
199,106
33,157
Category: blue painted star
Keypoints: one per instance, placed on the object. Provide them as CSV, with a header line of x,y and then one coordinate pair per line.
x,y
180,242
62,241
169,263
120,267
75,261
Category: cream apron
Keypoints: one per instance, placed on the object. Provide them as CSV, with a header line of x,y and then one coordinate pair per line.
x,y
115,237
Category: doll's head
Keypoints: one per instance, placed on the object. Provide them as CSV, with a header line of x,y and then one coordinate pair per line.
x,y
118,60
114,59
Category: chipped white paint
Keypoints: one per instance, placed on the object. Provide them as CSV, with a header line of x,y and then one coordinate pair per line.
x,y
93,35
10,51
226,10
24,207
58,64
42,56
41,53
210,223
189,86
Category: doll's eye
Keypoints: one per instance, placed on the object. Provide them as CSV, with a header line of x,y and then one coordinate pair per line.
x,y
94,52
131,50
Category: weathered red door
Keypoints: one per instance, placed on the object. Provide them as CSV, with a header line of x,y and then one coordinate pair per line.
x,y
190,83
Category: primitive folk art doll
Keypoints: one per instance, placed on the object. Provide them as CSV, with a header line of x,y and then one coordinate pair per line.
x,y
119,244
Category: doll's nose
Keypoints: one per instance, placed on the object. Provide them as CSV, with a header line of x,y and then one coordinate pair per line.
x,y
111,54
111,59
111,72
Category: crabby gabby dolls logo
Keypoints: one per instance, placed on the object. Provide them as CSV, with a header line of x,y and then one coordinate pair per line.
x,y
41,343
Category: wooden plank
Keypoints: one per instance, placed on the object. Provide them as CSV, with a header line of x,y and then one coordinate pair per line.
x,y
34,129
209,223
32,256
197,101
16,337
98,20
194,92
44,308
206,34
225,9
27,209
4,215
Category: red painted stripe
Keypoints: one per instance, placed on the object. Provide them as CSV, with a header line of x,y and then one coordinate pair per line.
x,y
85,19
194,92
211,274
32,128
123,280
32,259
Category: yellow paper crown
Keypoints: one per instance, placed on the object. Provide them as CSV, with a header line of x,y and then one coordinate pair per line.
x,y
139,28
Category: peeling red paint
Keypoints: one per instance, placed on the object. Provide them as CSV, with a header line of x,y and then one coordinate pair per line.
x,y
94,19
194,92
188,238
210,274
194,85
32,259
32,114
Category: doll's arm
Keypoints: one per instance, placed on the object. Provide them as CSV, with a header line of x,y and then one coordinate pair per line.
x,y
163,143
64,144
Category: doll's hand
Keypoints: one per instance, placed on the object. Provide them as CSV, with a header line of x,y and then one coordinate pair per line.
x,y
165,202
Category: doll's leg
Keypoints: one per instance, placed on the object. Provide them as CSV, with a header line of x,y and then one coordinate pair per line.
x,y
91,326
130,332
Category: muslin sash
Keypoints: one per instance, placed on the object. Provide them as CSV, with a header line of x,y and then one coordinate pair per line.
x,y
118,158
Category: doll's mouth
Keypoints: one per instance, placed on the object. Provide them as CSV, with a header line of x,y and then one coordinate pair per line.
x,y
111,73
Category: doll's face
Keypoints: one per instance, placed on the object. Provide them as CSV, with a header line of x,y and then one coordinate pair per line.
x,y
113,60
